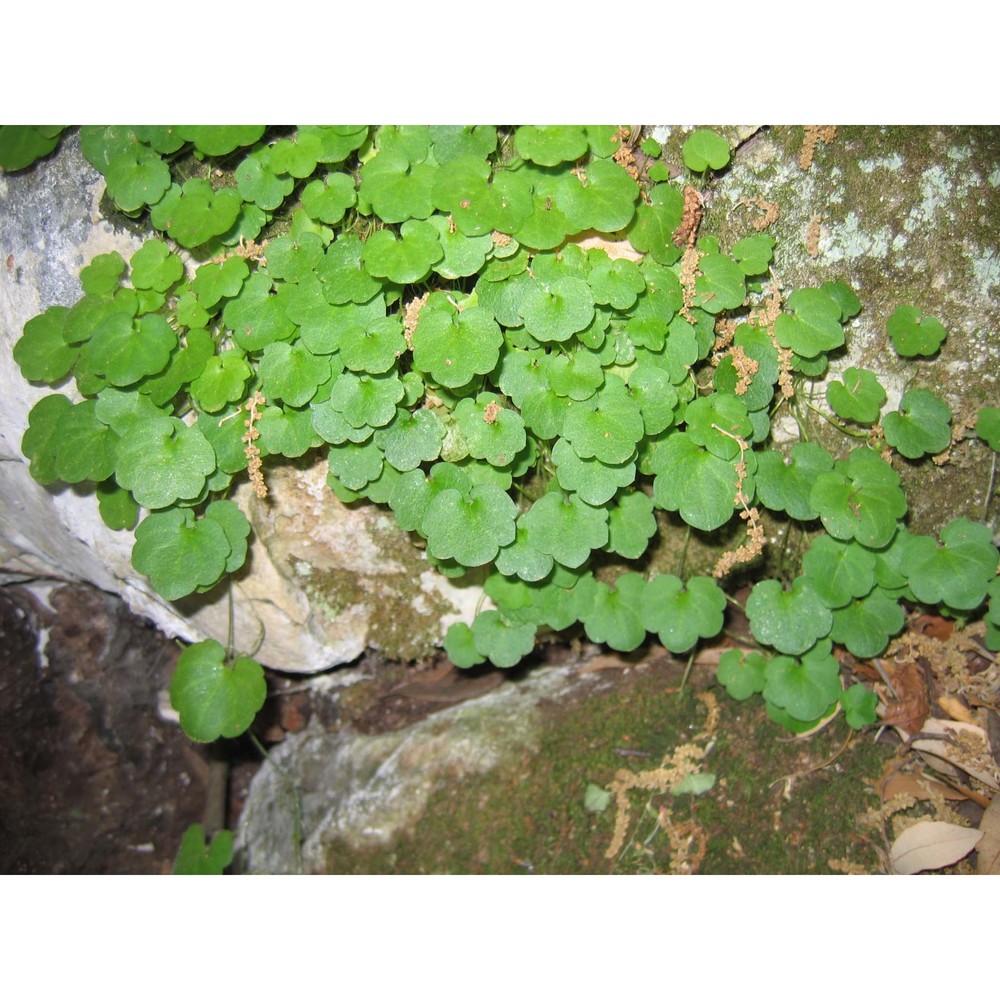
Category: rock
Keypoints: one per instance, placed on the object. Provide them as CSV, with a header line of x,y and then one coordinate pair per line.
x,y
323,581
905,216
351,792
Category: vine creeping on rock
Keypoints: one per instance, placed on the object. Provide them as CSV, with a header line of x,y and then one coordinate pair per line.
x,y
522,343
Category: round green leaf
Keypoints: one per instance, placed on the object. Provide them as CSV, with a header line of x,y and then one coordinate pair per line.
x,y
859,704
503,643
154,266
454,347
460,646
566,528
866,625
411,439
742,674
787,484
556,311
614,616
218,140
689,479
179,554
681,614
607,426
406,260
601,196
859,397
957,572
215,698
469,529
804,688
550,145
838,571
987,424
860,499
913,334
789,620
704,148
328,199
42,352
124,350
815,326
161,461
720,284
921,426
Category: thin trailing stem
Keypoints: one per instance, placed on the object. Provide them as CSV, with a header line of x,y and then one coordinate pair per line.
x,y
684,551
289,783
990,487
835,423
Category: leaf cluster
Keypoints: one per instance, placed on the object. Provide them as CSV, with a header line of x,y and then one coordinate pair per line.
x,y
411,305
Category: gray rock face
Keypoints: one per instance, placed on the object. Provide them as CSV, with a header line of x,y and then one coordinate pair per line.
x,y
354,792
323,581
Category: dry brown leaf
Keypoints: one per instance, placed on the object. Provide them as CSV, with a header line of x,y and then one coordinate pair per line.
x,y
912,708
993,729
988,862
934,625
955,708
931,845
615,249
972,755
918,786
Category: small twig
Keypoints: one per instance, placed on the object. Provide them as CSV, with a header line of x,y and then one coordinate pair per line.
x,y
816,767
885,678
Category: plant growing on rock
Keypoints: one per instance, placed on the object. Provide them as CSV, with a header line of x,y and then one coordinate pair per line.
x,y
525,347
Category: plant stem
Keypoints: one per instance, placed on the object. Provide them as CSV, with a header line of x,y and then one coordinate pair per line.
x,y
289,783
990,488
684,550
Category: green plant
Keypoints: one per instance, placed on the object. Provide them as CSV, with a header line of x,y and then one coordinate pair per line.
x,y
197,856
422,317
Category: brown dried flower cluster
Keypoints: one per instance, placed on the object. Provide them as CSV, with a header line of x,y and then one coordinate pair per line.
x,y
814,135
746,367
500,239
689,274
491,412
769,208
411,313
248,250
812,236
725,330
251,450
687,232
675,766
754,545
764,316
624,155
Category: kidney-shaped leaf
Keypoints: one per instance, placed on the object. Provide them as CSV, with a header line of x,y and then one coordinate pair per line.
x,y
216,698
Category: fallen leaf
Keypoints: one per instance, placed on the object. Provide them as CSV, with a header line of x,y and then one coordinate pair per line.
x,y
918,786
973,755
590,240
934,625
912,706
955,708
988,862
993,728
931,845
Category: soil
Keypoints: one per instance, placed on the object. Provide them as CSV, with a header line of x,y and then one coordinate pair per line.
x,y
97,777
